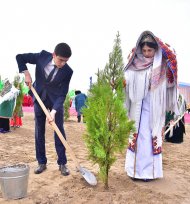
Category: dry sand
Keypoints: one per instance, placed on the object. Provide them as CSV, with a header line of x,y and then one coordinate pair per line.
x,y
50,187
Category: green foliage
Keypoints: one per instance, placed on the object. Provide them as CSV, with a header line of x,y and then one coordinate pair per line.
x,y
114,69
25,89
19,85
106,118
1,84
66,107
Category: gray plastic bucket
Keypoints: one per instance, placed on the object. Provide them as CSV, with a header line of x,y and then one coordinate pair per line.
x,y
14,181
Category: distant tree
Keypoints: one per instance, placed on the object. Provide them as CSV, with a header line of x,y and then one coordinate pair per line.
x,y
107,123
67,107
19,84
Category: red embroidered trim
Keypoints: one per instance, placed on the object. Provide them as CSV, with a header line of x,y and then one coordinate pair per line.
x,y
170,60
132,144
156,149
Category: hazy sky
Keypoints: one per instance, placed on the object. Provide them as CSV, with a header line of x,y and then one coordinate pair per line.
x,y
90,27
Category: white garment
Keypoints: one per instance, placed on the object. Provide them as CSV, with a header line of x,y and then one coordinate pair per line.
x,y
144,164
48,68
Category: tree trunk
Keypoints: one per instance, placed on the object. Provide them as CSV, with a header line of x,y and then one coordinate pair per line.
x,y
106,178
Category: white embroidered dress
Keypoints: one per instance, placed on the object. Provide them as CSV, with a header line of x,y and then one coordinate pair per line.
x,y
148,96
143,164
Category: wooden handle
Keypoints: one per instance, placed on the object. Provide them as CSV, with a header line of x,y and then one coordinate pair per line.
x,y
171,126
55,128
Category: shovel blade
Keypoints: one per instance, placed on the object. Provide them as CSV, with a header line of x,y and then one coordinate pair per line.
x,y
88,176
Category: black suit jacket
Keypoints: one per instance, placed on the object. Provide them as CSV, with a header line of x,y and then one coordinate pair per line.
x,y
56,89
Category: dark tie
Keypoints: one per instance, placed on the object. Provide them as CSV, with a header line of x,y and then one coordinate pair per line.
x,y
51,74
44,92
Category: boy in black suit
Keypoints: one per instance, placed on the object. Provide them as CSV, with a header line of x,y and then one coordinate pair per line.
x,y
52,78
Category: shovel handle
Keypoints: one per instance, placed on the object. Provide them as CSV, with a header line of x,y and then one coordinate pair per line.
x,y
174,124
55,128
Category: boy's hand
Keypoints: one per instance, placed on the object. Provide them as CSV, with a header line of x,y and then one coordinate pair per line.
x,y
28,78
52,116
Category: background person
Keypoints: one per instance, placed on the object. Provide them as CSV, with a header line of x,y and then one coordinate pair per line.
x,y
175,135
80,100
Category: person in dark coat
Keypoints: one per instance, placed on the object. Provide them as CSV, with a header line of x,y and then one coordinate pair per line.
x,y
52,79
177,133
176,136
4,125
80,100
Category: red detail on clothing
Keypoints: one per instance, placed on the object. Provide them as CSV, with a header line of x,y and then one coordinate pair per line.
x,y
155,143
27,101
169,76
16,121
132,144
156,149
171,60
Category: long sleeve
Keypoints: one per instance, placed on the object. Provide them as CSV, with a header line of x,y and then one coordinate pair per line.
x,y
23,59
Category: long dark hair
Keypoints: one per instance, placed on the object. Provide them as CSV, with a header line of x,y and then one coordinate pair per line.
x,y
149,44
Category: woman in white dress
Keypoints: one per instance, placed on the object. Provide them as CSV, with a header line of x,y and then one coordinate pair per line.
x,y
151,90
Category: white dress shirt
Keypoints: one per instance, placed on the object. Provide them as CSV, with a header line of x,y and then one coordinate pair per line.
x,y
49,67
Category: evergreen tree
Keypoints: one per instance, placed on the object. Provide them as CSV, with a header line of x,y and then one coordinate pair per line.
x,y
106,118
114,70
66,107
20,86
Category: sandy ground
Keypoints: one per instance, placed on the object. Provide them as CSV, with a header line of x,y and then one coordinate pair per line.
x,y
50,187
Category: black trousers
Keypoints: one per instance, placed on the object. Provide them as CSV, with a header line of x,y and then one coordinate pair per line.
x,y
40,123
4,124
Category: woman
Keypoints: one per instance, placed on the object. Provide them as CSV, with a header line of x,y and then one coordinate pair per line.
x,y
151,76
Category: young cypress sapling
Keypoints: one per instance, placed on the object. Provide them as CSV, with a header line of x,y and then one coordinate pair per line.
x,y
108,126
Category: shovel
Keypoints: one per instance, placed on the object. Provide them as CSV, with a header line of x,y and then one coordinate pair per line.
x,y
88,176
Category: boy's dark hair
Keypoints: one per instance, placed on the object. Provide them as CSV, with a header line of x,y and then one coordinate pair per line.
x,y
63,50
